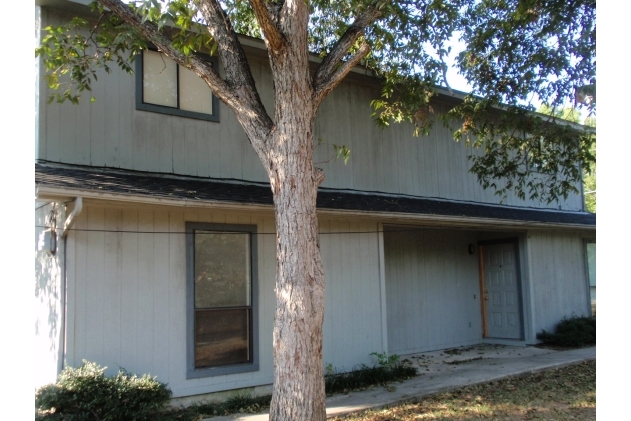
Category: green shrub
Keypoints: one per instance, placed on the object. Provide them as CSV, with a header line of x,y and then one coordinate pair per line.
x,y
385,360
238,404
86,394
571,333
388,369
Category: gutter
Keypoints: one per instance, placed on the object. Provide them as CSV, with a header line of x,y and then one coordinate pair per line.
x,y
70,220
52,193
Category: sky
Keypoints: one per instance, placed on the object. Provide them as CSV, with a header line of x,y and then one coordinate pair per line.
x,y
455,80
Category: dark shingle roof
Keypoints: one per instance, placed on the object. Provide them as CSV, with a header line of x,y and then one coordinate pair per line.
x,y
136,183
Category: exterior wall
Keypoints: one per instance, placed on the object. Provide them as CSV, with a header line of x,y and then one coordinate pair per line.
x,y
352,308
48,305
431,280
432,289
558,278
111,132
127,293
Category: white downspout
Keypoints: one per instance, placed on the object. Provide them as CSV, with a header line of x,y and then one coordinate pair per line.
x,y
70,220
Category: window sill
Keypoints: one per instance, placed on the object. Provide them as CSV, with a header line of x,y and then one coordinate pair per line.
x,y
221,371
177,112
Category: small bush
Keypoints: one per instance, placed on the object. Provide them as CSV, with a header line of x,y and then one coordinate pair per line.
x,y
573,332
86,394
385,360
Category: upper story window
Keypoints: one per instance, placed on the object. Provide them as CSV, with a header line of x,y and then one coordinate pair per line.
x,y
163,86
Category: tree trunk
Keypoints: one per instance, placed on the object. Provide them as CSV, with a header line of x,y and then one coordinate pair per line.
x,y
298,374
298,392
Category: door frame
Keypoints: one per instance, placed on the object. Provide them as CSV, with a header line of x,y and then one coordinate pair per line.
x,y
515,242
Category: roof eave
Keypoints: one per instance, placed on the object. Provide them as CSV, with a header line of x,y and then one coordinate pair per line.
x,y
46,193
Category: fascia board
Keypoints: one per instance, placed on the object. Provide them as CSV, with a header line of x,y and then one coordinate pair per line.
x,y
44,193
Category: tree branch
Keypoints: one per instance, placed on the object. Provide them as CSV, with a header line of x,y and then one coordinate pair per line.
x,y
151,33
238,74
235,63
318,175
329,64
322,89
273,36
238,92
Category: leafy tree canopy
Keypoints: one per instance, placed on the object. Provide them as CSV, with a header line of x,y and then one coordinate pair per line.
x,y
517,53
589,176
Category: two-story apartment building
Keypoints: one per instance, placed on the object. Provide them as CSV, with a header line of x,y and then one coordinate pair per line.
x,y
164,259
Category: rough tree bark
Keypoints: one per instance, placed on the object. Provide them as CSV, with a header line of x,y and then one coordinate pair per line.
x,y
298,392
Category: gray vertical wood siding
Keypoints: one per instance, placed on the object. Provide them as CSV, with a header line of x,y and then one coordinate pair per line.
x,y
127,293
111,132
558,277
126,288
352,313
432,289
431,280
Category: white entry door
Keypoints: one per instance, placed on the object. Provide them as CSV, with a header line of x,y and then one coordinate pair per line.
x,y
500,283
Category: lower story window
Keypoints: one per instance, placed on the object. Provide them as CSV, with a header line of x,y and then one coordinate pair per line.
x,y
222,299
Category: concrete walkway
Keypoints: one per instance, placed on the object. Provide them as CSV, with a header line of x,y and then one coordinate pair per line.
x,y
448,369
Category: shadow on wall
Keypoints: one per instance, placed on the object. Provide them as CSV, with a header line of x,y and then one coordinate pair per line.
x,y
47,290
48,298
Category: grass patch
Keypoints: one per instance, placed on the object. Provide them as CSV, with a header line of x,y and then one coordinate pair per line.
x,y
567,393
